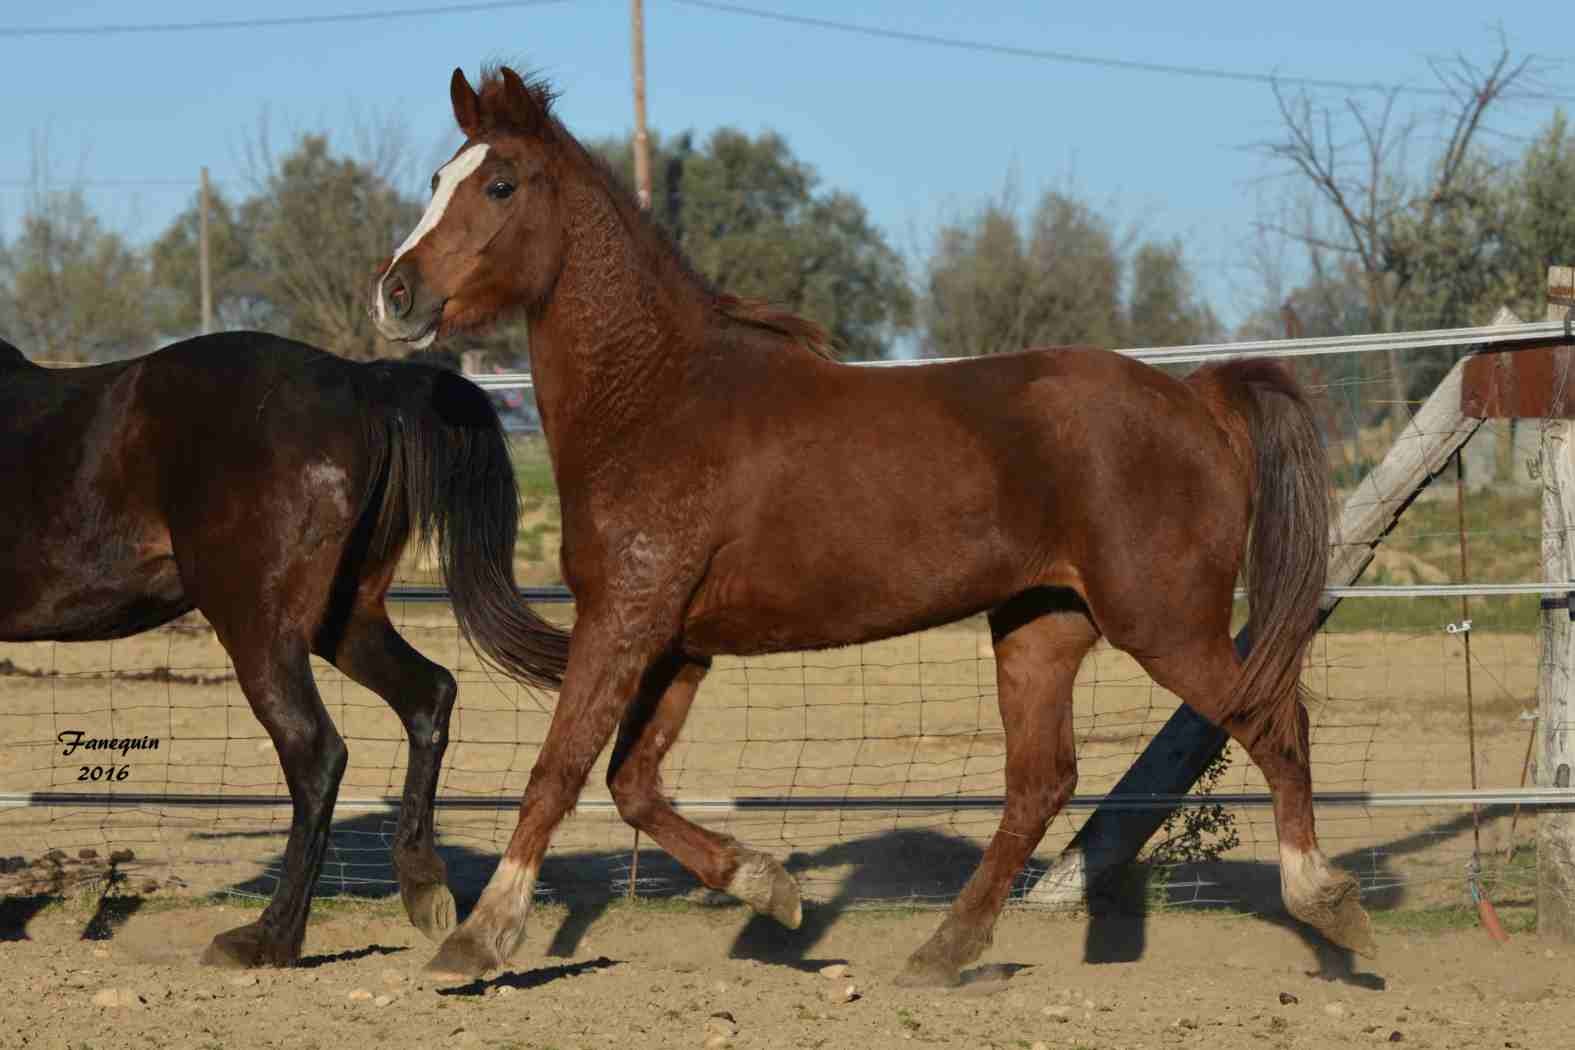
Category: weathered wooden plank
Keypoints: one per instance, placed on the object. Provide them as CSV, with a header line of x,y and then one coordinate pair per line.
x,y
1556,678
1183,748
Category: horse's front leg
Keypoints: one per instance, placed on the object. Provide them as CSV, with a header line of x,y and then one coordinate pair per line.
x,y
605,666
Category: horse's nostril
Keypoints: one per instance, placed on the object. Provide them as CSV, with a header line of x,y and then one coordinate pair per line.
x,y
398,295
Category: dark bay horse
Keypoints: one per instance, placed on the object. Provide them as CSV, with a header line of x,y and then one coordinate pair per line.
x,y
728,488
271,486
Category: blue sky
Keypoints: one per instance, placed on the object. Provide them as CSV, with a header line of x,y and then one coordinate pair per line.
x,y
920,133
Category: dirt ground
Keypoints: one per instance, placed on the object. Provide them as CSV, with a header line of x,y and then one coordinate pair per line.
x,y
654,976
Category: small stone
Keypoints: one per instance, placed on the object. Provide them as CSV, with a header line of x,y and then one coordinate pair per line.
x,y
505,990
245,980
1040,1045
716,1042
101,953
1335,1010
719,987
1287,999
1057,1013
721,1023
393,978
842,993
1185,1022
1549,954
382,1000
1397,1036
116,998
360,995
1088,1004
834,971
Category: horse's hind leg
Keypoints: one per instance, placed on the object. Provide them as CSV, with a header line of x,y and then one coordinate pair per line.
x,y
1037,654
634,777
275,673
1314,890
372,653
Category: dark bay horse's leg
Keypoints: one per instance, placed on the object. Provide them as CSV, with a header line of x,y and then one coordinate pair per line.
x,y
275,673
1036,664
1314,890
372,653
634,777
608,657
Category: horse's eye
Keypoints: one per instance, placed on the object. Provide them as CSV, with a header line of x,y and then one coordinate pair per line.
x,y
499,190
434,182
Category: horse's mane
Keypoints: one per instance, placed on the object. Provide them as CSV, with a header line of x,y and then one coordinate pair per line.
x,y
533,115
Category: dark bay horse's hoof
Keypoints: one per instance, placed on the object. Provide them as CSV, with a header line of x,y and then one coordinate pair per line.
x,y
462,957
764,884
248,946
430,907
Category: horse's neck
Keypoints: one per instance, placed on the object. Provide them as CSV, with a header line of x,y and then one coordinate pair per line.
x,y
614,341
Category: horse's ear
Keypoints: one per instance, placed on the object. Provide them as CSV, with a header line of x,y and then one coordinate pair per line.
x,y
467,106
529,104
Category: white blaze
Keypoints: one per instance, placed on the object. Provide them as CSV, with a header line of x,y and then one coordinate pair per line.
x,y
450,176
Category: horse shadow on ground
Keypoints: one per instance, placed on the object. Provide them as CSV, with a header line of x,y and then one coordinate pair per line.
x,y
919,867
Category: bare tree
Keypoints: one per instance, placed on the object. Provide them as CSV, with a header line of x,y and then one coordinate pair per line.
x,y
1376,209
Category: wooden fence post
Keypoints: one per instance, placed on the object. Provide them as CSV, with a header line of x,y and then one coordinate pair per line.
x,y
1112,836
1556,682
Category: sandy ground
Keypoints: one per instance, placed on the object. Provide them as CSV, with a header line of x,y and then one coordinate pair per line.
x,y
647,976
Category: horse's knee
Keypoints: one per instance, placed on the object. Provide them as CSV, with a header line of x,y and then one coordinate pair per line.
x,y
636,801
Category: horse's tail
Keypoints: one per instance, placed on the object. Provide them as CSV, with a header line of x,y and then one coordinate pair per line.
x,y
1288,552
447,477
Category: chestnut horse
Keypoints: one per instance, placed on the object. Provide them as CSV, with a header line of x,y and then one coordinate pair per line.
x,y
727,487
271,486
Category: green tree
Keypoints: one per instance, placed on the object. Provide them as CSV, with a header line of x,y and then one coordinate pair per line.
x,y
239,299
995,283
751,218
319,228
1540,225
71,290
296,256
1166,309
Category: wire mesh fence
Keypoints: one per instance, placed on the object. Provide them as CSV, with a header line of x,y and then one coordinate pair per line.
x,y
875,770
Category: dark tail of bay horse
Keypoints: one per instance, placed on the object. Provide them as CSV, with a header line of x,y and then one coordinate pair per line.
x,y
448,478
1287,556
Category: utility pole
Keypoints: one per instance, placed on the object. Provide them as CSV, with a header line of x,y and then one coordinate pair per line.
x,y
642,143
205,278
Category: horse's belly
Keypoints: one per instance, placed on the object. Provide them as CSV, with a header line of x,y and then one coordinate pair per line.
x,y
88,592
775,604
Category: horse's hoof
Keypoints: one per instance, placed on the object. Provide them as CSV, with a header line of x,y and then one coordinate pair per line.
x,y
922,971
245,947
764,884
431,909
461,958
1330,901
1350,926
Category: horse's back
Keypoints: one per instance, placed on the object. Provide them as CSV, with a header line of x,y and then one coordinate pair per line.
x,y
207,450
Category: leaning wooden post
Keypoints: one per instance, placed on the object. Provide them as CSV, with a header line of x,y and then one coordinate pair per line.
x,y
1183,748
1556,680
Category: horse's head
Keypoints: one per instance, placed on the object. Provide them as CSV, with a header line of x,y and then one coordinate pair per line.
x,y
492,237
